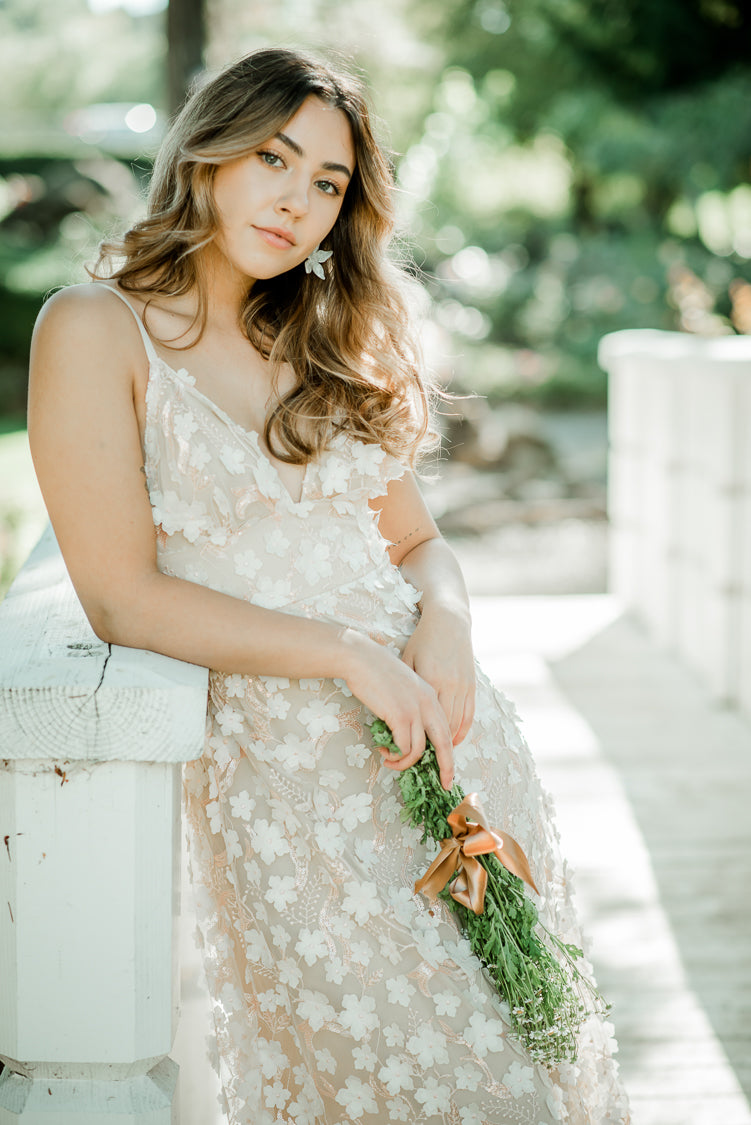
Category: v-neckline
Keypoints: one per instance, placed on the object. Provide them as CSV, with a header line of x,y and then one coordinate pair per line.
x,y
187,380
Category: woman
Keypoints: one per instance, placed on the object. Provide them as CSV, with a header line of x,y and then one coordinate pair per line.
x,y
249,354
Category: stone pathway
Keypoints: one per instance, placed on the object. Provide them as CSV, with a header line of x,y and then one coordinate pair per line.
x,y
652,786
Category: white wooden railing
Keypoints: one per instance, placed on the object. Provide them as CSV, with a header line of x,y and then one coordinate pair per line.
x,y
91,741
680,497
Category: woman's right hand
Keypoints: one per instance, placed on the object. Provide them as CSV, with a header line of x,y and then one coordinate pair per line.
x,y
396,694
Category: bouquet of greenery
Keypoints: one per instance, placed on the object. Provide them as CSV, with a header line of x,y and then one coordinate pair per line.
x,y
480,874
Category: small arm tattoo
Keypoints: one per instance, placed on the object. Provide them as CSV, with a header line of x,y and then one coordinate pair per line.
x,y
404,538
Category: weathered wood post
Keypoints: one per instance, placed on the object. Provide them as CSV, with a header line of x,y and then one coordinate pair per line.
x,y
91,741
680,497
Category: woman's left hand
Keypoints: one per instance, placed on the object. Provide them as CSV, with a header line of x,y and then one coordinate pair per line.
x,y
440,651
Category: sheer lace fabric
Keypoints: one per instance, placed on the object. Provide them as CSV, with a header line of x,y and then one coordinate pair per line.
x,y
337,996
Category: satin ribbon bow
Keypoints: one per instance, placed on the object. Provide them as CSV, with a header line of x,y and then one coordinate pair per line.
x,y
456,860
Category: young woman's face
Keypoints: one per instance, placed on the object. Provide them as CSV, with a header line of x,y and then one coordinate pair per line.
x,y
276,204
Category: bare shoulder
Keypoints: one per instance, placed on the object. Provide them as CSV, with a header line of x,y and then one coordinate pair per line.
x,y
85,342
87,315
85,441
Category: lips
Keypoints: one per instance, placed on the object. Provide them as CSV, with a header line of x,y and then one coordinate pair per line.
x,y
276,236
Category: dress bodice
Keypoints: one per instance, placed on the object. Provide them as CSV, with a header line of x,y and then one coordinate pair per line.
x,y
225,519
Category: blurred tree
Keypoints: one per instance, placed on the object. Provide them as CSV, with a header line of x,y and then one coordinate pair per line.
x,y
399,53
59,57
566,167
576,153
186,39
70,74
641,47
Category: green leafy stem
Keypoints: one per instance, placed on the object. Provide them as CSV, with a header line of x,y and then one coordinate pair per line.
x,y
533,971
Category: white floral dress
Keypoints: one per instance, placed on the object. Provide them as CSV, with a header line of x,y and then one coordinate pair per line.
x,y
338,997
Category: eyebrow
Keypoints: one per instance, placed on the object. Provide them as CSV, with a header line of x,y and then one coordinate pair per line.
x,y
328,165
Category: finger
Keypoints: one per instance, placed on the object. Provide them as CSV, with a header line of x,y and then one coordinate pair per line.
x,y
407,739
390,752
440,736
467,718
457,714
453,704
419,740
405,761
401,734
417,749
399,764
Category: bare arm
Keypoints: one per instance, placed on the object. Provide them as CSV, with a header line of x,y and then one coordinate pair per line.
x,y
440,649
86,448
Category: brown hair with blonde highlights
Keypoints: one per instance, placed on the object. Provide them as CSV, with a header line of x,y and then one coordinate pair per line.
x,y
348,339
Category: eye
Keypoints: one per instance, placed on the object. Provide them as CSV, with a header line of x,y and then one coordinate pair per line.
x,y
273,159
328,187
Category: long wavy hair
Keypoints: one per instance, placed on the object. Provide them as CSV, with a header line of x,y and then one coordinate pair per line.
x,y
348,339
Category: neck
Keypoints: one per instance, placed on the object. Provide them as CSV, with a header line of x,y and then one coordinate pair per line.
x,y
226,289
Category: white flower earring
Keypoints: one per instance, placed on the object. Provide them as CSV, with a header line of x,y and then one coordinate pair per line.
x,y
314,262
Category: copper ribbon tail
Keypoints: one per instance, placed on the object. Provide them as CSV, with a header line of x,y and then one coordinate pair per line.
x,y
457,858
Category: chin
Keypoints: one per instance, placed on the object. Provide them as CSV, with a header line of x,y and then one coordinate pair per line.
x,y
264,271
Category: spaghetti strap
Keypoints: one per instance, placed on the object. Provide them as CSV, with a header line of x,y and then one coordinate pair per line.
x,y
150,349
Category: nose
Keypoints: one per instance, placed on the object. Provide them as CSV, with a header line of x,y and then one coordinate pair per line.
x,y
293,200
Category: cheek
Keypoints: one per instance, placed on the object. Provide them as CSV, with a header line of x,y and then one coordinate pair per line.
x,y
328,217
234,192
223,208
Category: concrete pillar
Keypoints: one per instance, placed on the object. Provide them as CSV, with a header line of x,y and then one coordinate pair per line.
x,y
91,741
680,497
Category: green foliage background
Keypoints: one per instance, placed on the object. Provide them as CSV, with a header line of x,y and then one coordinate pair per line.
x,y
567,167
